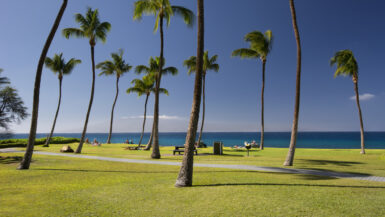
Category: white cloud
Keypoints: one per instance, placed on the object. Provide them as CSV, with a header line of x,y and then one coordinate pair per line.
x,y
164,117
365,96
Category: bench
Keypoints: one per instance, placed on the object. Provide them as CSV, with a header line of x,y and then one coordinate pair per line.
x,y
180,149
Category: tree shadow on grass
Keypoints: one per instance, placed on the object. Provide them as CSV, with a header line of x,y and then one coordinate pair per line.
x,y
347,173
286,184
326,162
10,159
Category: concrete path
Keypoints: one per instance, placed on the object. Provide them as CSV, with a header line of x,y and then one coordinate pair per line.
x,y
224,166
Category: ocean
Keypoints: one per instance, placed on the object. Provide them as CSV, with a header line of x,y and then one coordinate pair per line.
x,y
322,140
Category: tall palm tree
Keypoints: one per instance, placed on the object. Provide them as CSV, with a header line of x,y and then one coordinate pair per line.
x,y
186,171
94,30
25,163
58,65
208,64
115,67
260,47
153,67
144,86
290,155
161,9
347,66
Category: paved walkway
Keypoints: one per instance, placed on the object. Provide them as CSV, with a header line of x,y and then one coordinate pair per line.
x,y
225,166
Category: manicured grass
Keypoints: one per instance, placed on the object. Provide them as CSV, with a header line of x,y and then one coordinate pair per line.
x,y
11,143
60,186
339,160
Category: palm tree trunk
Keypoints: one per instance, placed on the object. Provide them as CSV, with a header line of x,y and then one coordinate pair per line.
x,y
112,110
203,107
155,143
361,122
79,149
261,145
57,112
293,140
148,146
25,163
144,119
186,171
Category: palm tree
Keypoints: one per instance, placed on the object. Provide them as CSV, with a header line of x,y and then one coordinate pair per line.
x,y
260,47
347,66
153,67
161,9
186,171
208,64
144,86
58,65
92,29
115,67
25,163
290,155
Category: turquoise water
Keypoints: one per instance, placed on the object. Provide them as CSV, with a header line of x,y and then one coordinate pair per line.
x,y
335,140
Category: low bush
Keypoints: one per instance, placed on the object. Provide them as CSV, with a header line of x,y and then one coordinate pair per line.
x,y
13,143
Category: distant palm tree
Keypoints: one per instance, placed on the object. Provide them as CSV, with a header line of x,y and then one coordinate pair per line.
x,y
92,29
185,175
58,65
294,131
347,66
25,163
115,67
144,86
208,64
161,9
152,69
260,47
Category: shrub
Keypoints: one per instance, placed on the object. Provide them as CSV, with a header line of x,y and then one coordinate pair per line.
x,y
13,143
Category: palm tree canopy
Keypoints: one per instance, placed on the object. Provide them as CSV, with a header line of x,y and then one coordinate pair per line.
x,y
260,45
145,86
90,27
58,65
153,67
162,9
346,64
208,63
117,66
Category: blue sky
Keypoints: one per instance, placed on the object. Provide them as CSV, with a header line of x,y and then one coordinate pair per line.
x,y
233,94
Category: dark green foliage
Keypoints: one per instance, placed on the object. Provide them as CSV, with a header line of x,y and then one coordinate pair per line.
x,y
12,143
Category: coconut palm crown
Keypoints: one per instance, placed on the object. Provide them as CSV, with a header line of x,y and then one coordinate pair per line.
x,y
162,9
90,27
153,68
117,66
260,45
208,63
346,64
58,64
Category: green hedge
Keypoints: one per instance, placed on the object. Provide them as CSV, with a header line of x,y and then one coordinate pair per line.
x,y
12,143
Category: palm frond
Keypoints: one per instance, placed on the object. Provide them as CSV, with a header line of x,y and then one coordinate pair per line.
x,y
170,70
346,63
245,53
164,91
147,7
187,15
70,65
68,32
141,69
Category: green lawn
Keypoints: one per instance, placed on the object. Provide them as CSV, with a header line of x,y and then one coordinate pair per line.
x,y
60,186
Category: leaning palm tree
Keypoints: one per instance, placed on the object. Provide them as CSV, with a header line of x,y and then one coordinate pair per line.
x,y
260,47
92,29
144,86
290,155
208,64
115,67
58,65
25,163
153,67
347,66
186,171
161,9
